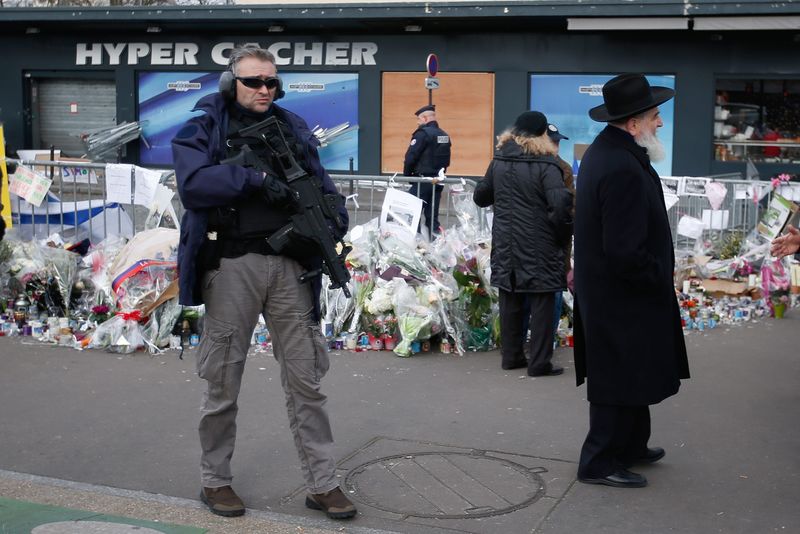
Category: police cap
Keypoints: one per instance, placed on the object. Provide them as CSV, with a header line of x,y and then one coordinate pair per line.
x,y
423,109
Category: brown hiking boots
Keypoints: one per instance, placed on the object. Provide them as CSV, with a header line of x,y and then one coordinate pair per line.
x,y
334,503
222,501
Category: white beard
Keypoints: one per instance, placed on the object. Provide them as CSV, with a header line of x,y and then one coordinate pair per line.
x,y
653,145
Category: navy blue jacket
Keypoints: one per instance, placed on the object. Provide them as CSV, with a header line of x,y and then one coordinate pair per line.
x,y
204,184
428,151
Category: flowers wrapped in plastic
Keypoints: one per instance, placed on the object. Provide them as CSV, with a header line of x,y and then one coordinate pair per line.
x,y
61,266
775,281
363,239
144,268
473,313
363,285
414,319
122,333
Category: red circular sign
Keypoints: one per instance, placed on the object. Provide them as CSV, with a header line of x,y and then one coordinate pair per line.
x,y
432,64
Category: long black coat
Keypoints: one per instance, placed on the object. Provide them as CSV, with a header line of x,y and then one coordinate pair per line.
x,y
628,337
532,220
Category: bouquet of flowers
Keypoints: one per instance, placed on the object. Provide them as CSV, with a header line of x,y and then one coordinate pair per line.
x,y
775,282
372,325
414,320
390,326
474,305
100,313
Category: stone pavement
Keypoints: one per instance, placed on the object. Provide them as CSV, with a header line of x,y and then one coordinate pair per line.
x,y
430,444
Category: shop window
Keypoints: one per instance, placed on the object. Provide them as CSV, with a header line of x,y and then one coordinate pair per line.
x,y
757,120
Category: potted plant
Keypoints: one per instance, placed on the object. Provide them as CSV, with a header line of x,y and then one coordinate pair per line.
x,y
373,326
775,282
780,301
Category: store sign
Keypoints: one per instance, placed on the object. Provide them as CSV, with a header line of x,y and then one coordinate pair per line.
x,y
285,52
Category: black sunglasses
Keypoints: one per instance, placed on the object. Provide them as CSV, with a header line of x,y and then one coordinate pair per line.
x,y
254,82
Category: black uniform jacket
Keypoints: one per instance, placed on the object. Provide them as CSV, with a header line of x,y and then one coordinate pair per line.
x,y
628,337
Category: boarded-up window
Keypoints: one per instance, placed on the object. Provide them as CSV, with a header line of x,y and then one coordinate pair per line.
x,y
464,109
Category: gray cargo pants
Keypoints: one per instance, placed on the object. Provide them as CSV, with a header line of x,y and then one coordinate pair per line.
x,y
234,295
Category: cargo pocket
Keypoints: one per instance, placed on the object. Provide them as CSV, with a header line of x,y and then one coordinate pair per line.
x,y
214,355
321,360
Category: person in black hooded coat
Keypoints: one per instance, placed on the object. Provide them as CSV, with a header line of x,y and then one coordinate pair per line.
x,y
532,223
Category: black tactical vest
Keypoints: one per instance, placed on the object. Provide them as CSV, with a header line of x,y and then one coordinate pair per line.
x,y
251,220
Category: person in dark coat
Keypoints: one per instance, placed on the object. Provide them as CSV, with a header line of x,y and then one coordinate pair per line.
x,y
428,153
629,344
569,180
225,261
532,222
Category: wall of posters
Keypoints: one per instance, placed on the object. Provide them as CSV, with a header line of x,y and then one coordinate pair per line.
x,y
327,101
567,98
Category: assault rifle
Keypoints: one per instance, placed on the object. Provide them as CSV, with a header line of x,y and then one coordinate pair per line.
x,y
314,209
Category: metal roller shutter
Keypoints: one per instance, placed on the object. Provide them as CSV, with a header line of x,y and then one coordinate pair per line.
x,y
71,107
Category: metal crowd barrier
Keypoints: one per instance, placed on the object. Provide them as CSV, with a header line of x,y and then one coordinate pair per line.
x,y
739,212
365,195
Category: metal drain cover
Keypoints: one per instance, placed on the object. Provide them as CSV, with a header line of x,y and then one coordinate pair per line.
x,y
445,485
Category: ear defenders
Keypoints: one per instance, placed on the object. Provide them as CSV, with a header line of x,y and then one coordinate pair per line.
x,y
227,86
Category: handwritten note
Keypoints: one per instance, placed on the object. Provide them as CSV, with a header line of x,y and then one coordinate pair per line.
x,y
79,175
146,182
29,185
118,183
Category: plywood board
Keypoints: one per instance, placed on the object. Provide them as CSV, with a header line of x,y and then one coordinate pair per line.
x,y
464,109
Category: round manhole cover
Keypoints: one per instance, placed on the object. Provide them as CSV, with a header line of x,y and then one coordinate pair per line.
x,y
444,485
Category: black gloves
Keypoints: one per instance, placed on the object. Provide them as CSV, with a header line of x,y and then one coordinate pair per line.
x,y
277,192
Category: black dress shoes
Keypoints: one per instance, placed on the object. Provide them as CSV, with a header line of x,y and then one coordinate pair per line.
x,y
621,478
651,456
554,371
516,365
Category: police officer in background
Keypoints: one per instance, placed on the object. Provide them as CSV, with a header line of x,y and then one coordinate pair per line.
x,y
225,261
427,154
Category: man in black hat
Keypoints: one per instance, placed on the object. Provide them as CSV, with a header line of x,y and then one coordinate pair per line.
x,y
628,338
428,153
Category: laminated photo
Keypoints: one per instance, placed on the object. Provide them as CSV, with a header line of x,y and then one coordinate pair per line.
x,y
775,218
671,185
694,187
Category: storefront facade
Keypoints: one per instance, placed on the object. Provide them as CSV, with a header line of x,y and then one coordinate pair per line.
x,y
358,73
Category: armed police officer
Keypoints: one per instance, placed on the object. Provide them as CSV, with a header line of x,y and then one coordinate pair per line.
x,y
428,153
225,261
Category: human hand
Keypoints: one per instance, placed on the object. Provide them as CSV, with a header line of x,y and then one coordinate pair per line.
x,y
788,243
276,191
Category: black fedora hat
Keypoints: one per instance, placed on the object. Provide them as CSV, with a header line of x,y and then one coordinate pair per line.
x,y
628,94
